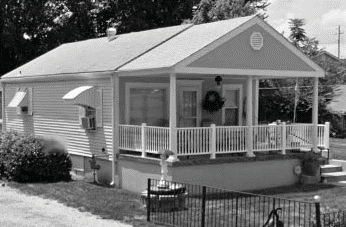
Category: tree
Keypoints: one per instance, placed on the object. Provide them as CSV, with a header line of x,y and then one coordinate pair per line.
x,y
292,99
214,10
297,35
29,28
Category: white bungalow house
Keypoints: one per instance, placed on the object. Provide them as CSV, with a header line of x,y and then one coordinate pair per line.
x,y
128,96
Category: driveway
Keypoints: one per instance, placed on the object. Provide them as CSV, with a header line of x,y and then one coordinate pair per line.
x,y
18,209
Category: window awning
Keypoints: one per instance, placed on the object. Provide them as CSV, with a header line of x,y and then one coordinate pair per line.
x,y
82,96
19,99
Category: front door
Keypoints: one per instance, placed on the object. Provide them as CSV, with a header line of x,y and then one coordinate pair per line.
x,y
189,110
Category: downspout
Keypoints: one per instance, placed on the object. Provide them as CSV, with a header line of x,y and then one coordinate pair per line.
x,y
115,127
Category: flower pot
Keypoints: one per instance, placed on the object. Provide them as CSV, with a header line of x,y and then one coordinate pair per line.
x,y
311,167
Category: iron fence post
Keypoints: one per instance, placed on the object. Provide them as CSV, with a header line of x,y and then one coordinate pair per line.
x,y
204,195
318,211
148,200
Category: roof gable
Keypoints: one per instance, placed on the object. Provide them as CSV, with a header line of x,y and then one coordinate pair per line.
x,y
232,54
237,53
326,56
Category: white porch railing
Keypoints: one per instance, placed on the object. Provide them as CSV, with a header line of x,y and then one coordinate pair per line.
x,y
221,139
147,139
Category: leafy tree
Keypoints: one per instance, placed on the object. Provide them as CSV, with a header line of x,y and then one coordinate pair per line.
x,y
297,35
29,28
214,10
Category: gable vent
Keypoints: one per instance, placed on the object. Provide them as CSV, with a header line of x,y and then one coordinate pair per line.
x,y
256,41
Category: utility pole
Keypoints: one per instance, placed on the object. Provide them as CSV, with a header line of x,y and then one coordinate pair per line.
x,y
339,34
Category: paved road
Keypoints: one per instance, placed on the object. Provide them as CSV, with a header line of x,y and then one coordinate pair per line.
x,y
18,209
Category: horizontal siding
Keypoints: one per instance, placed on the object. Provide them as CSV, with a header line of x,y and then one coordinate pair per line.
x,y
54,117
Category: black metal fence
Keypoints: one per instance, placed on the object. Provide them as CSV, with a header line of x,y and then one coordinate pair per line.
x,y
180,204
334,219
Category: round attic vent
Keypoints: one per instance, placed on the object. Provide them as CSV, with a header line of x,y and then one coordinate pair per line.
x,y
256,41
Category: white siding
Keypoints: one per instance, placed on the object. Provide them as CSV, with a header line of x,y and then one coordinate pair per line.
x,y
54,117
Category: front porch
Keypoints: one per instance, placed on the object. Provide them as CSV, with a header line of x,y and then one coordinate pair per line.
x,y
215,140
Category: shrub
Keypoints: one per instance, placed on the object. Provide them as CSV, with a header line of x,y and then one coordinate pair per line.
x,y
26,158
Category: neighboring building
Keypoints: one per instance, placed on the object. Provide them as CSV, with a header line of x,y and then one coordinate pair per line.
x,y
327,60
337,106
132,95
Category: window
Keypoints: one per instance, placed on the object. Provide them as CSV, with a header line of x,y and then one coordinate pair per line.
x,y
147,103
90,112
89,100
22,100
232,110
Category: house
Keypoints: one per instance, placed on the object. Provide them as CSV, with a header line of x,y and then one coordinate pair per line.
x,y
329,61
126,97
337,107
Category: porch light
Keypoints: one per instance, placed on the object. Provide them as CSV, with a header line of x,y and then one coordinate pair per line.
x,y
218,80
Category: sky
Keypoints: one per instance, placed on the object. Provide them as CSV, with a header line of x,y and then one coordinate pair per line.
x,y
322,20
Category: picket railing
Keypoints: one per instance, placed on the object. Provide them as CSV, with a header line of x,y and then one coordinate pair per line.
x,y
221,139
147,139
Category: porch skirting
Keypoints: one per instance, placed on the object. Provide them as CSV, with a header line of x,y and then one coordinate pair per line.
x,y
241,173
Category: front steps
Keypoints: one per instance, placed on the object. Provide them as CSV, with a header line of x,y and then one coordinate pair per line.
x,y
333,174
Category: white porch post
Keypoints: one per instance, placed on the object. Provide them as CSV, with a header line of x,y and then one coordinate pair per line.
x,y
3,108
249,116
315,114
256,100
173,117
115,132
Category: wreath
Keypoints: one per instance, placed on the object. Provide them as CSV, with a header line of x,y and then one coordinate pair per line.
x,y
213,102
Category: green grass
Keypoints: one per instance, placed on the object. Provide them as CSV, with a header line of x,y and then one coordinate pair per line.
x,y
122,205
338,148
109,203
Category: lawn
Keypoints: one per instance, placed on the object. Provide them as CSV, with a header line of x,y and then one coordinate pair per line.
x,y
109,203
338,148
122,205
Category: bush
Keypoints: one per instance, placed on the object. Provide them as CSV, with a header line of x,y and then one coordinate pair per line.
x,y
25,158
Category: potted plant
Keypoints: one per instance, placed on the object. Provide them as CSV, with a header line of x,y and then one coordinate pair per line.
x,y
311,163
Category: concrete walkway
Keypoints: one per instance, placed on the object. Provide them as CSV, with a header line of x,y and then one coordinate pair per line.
x,y
18,209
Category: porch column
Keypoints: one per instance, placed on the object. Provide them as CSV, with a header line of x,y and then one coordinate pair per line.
x,y
249,116
256,100
173,117
115,132
315,115
3,108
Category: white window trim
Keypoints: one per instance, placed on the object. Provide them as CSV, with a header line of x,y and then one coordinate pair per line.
x,y
239,87
195,85
129,86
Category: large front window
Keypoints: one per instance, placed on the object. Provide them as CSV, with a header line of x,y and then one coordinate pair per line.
x,y
147,104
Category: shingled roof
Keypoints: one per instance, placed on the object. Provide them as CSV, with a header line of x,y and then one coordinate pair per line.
x,y
155,48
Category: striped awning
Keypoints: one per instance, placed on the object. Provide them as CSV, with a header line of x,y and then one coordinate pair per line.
x,y
83,96
19,99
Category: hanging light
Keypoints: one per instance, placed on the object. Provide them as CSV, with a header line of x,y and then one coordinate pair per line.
x,y
218,80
